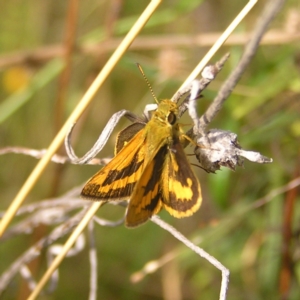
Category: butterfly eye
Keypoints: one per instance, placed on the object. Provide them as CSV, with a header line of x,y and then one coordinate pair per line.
x,y
171,118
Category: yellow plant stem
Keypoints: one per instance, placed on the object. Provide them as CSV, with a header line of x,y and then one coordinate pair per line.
x,y
67,246
87,98
221,40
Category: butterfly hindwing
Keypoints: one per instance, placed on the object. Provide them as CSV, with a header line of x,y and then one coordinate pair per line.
x,y
146,198
181,192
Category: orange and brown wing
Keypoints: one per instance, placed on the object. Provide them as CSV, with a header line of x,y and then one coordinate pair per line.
x,y
181,192
125,135
117,179
146,198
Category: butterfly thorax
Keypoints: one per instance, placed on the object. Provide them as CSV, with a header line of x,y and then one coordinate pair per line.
x,y
162,127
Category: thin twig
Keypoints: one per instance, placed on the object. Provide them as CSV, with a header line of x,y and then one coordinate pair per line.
x,y
271,9
101,141
199,251
154,265
27,276
56,158
202,83
63,200
220,41
55,250
67,246
38,154
93,261
35,250
150,42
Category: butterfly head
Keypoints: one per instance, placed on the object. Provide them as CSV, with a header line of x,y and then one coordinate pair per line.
x,y
166,112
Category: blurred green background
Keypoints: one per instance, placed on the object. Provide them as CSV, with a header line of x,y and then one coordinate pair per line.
x,y
260,246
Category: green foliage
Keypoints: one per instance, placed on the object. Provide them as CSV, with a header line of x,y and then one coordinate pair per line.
x,y
263,110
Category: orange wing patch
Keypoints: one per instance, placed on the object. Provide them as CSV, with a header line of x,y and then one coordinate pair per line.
x,y
117,179
146,197
180,187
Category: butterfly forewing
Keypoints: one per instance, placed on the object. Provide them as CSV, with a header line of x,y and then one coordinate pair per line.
x,y
125,135
117,179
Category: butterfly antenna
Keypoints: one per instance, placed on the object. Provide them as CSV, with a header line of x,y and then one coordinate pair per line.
x,y
147,81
